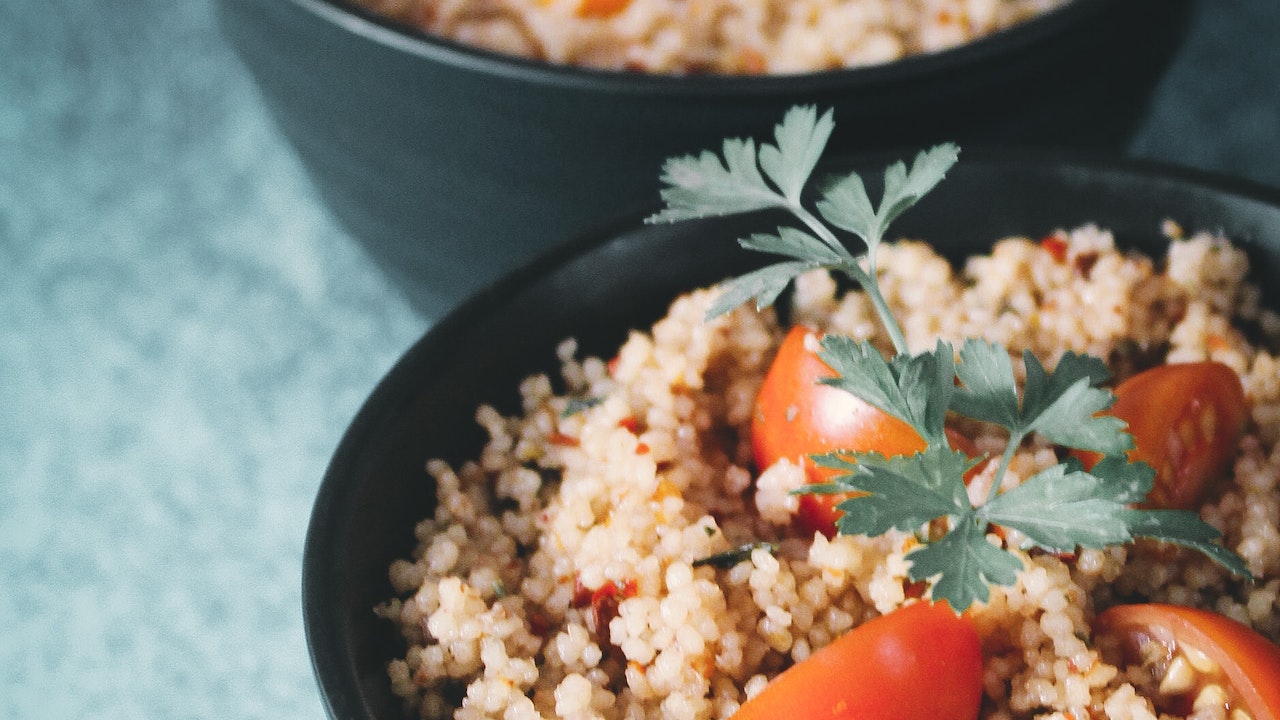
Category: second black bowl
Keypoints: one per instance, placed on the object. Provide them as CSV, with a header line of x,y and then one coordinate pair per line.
x,y
453,165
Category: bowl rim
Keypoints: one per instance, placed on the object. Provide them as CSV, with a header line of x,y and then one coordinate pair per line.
x,y
337,679
1023,37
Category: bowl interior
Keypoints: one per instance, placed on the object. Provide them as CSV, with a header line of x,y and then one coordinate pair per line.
x,y
597,290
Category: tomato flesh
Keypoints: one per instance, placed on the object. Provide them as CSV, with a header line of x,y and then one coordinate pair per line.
x,y
1186,420
796,416
921,662
1248,661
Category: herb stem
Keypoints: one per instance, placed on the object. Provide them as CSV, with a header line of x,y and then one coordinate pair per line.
x,y
865,278
872,290
820,229
1015,440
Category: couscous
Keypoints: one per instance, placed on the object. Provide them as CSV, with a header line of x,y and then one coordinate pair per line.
x,y
561,573
713,36
958,522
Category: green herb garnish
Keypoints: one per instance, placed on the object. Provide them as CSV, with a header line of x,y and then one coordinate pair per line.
x,y
1059,509
577,405
728,558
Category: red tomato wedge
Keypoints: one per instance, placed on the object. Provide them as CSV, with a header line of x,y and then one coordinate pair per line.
x,y
1186,420
796,416
1245,661
922,662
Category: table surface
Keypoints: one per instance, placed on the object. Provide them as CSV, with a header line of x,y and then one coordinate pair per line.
x,y
185,333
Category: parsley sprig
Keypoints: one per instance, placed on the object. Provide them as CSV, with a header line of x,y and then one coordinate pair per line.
x,y
1060,509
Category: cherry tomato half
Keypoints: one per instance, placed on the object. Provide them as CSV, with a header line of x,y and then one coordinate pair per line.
x,y
922,662
1242,662
796,416
1186,420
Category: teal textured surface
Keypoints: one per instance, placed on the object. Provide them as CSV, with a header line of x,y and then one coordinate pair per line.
x,y
185,333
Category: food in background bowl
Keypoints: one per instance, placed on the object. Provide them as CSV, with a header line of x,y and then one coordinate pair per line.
x,y
717,36
613,553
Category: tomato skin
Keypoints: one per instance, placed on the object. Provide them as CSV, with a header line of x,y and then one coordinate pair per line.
x,y
1250,661
1186,420
796,416
921,662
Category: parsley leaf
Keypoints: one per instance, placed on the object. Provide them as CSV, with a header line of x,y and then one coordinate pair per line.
x,y
1061,509
794,243
801,138
902,492
963,565
988,390
1128,482
1185,528
1066,407
913,388
701,186
846,205
763,285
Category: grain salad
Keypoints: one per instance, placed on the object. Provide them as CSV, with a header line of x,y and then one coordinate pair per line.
x,y
613,552
1040,486
713,36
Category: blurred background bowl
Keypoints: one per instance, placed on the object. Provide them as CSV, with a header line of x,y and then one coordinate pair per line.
x,y
453,165
596,290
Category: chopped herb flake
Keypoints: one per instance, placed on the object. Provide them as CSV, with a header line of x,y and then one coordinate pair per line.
x,y
577,405
729,558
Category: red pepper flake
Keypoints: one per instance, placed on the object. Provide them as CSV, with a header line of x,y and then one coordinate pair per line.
x,y
612,365
642,448
559,438
1055,246
603,602
1085,263
539,623
581,593
914,590
629,423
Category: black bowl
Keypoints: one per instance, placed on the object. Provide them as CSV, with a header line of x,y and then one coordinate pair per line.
x,y
454,165
597,289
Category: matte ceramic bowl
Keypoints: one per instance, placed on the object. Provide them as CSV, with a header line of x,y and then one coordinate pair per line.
x,y
453,165
596,290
